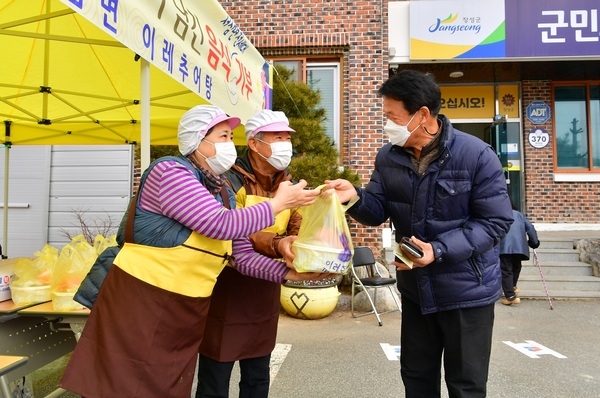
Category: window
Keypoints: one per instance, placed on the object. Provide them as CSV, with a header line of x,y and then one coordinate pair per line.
x,y
577,126
293,65
595,122
323,76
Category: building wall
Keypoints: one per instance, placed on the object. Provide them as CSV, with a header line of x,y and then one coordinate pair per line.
x,y
354,31
554,199
357,32
549,201
91,182
51,186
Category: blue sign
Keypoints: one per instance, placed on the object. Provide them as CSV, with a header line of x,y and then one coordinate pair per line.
x,y
551,28
538,112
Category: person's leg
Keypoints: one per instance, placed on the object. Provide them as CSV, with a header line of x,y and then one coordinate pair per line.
x,y
516,265
467,349
255,377
420,352
506,266
213,378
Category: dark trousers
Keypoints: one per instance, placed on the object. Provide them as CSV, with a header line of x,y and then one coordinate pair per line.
x,y
462,337
214,376
511,269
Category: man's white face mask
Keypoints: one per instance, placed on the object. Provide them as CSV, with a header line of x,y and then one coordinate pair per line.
x,y
281,154
397,133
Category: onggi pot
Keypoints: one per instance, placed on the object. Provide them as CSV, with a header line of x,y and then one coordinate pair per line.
x,y
309,301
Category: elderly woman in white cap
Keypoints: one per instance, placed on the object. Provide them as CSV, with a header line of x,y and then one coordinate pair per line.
x,y
144,330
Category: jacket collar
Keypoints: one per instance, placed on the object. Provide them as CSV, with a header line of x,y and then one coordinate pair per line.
x,y
246,166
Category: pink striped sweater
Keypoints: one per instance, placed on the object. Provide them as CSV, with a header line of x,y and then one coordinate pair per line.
x,y
172,190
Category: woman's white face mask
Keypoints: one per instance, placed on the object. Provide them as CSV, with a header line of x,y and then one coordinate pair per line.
x,y
224,157
281,154
397,133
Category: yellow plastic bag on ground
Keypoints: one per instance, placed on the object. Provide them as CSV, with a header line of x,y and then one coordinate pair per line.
x,y
324,243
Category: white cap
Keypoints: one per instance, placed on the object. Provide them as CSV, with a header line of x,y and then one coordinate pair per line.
x,y
196,122
269,121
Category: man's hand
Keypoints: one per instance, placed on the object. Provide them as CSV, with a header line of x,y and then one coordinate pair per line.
x,y
293,195
428,256
343,188
284,247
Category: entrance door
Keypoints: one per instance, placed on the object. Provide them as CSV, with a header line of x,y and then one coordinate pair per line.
x,y
503,136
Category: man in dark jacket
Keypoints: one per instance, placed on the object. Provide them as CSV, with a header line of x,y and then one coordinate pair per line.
x,y
445,190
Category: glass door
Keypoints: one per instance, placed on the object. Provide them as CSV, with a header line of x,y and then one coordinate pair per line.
x,y
504,138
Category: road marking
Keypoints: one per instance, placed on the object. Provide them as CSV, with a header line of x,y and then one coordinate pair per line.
x,y
392,352
277,357
533,349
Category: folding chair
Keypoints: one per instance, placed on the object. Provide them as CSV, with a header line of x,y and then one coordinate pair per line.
x,y
364,258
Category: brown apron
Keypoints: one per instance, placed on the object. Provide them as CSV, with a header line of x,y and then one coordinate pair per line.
x,y
158,333
242,320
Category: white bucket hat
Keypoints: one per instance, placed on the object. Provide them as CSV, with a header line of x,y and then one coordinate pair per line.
x,y
267,120
196,122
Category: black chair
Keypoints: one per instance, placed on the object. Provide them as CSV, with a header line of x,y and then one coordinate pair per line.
x,y
364,258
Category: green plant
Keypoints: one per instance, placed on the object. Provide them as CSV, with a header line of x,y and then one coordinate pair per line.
x,y
315,159
158,151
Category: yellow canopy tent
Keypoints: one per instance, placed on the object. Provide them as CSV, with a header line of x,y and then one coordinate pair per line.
x,y
95,72
65,80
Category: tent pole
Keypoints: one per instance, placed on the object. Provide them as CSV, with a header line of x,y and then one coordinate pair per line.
x,y
7,144
145,114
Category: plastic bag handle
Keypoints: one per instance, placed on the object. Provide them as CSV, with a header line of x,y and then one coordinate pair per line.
x,y
343,206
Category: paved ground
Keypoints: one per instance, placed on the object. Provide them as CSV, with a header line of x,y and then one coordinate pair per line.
x,y
537,353
340,356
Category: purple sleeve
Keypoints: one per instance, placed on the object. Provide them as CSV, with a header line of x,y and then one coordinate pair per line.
x,y
251,263
172,190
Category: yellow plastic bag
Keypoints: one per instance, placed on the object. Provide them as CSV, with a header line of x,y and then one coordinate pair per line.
x,y
73,264
324,243
32,276
36,271
101,243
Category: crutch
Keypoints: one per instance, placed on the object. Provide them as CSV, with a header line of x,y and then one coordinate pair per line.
x,y
537,262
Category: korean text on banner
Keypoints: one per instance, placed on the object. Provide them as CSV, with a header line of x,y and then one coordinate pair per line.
x,y
196,43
